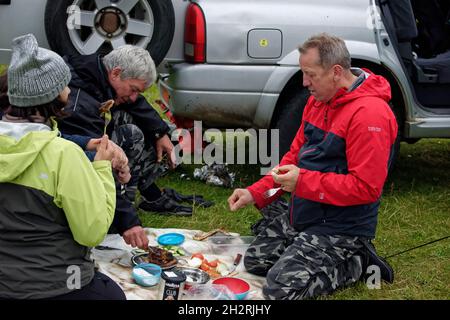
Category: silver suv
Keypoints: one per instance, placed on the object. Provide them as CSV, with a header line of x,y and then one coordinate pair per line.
x,y
234,63
241,67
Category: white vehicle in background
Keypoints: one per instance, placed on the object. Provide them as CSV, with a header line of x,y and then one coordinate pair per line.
x,y
89,26
234,63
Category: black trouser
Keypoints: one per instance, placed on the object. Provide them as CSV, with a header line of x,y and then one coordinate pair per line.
x,y
100,288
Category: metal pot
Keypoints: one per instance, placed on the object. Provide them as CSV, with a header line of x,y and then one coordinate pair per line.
x,y
194,276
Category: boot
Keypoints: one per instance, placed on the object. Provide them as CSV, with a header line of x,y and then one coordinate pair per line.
x,y
165,205
197,199
370,257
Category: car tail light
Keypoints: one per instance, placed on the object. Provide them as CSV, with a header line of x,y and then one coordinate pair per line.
x,y
195,35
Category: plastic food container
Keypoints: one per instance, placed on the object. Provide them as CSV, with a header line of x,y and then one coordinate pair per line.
x,y
209,291
230,245
146,274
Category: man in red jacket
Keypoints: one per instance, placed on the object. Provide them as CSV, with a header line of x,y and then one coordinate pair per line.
x,y
335,171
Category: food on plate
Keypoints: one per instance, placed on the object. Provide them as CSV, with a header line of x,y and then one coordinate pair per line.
x,y
175,250
222,269
213,264
198,260
198,255
195,262
204,266
213,273
161,257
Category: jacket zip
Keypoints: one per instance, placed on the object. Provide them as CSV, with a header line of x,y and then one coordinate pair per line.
x,y
325,118
76,100
308,151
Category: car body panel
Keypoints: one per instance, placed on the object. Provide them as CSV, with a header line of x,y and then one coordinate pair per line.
x,y
228,23
19,18
228,100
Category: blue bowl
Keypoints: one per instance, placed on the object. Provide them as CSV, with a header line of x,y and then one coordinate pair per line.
x,y
147,274
170,239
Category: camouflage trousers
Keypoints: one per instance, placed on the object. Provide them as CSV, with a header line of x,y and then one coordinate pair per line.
x,y
144,169
301,265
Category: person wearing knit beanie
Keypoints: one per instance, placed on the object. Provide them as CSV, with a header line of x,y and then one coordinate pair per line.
x,y
36,75
55,204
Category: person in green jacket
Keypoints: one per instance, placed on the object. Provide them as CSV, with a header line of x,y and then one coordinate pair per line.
x,y
54,203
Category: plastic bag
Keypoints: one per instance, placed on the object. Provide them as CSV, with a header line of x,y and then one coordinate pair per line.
x,y
208,292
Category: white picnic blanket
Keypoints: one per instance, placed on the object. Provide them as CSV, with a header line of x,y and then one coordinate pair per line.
x,y
117,263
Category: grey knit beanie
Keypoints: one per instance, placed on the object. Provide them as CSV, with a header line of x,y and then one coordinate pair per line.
x,y
35,75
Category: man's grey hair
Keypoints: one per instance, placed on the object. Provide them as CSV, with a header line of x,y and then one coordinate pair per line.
x,y
332,50
135,63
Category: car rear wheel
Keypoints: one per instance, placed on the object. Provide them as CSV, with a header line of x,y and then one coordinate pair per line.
x,y
88,26
289,117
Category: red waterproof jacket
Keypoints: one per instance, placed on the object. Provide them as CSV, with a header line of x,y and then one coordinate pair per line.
x,y
343,149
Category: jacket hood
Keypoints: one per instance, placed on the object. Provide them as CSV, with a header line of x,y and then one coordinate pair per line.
x,y
373,86
89,74
20,144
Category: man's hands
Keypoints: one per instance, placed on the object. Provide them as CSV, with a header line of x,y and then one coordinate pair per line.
x,y
104,150
136,237
119,162
239,199
164,145
286,176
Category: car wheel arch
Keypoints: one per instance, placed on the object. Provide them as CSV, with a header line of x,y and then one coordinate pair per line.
x,y
157,42
397,99
294,87
397,102
288,111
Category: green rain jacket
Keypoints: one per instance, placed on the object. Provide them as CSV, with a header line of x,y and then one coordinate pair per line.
x,y
54,205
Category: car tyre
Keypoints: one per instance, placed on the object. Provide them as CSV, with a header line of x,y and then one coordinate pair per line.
x,y
289,117
161,21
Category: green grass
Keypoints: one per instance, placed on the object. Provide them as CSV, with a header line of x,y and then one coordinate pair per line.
x,y
415,209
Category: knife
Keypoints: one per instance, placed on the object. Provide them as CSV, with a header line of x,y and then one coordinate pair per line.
x,y
235,263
